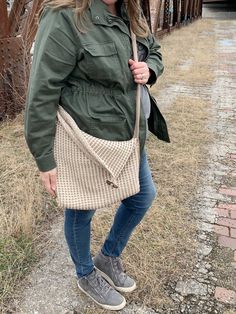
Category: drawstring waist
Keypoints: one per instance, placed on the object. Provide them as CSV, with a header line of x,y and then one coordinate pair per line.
x,y
97,89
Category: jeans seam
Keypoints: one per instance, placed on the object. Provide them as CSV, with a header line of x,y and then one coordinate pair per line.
x,y
76,247
121,233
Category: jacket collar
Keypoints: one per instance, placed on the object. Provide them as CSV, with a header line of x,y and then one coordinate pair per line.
x,y
100,13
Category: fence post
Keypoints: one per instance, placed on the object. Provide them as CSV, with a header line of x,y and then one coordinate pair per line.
x,y
166,15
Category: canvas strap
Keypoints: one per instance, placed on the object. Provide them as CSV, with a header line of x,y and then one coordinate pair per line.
x,y
138,93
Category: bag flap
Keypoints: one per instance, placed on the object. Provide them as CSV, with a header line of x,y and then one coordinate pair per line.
x,y
112,155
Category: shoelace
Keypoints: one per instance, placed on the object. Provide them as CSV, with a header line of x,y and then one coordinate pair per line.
x,y
99,282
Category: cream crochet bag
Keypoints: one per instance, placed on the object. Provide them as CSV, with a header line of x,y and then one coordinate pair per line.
x,y
93,173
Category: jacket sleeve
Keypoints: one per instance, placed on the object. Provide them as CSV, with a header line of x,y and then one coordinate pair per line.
x,y
154,60
54,58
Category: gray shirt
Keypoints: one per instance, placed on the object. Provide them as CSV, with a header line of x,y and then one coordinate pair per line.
x,y
145,100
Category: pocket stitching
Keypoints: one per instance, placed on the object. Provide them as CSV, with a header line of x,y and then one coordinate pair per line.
x,y
104,51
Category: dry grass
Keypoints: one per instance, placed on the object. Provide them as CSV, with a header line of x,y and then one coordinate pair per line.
x,y
17,256
23,202
23,207
164,243
194,44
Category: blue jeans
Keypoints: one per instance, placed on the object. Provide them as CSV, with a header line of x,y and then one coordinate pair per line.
x,y
128,216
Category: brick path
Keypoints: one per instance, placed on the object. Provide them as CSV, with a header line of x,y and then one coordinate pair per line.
x,y
216,198
222,217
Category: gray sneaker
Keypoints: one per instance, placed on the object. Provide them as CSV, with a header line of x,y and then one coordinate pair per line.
x,y
101,292
112,270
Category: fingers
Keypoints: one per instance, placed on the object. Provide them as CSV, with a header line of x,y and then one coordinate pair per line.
x,y
49,181
140,71
53,180
140,79
137,65
131,62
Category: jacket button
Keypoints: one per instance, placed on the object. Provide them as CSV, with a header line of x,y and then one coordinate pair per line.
x,y
97,17
109,21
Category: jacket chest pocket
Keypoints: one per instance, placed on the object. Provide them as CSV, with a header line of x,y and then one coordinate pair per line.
x,y
101,61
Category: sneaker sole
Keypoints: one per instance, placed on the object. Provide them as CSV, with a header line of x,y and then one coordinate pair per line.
x,y
120,289
105,306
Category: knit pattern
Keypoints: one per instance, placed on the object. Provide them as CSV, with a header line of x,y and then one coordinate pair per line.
x,y
93,173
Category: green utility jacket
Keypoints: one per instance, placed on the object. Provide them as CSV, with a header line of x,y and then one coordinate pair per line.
x,y
89,76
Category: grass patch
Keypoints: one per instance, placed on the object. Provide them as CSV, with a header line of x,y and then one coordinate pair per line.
x,y
16,257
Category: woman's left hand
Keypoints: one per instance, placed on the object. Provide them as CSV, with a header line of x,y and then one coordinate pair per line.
x,y
140,71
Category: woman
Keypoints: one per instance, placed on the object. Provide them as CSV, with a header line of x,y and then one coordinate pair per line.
x,y
83,61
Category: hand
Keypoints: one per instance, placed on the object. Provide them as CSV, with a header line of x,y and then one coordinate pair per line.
x,y
140,71
49,181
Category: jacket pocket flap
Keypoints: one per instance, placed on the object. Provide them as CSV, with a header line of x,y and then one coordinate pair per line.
x,y
100,50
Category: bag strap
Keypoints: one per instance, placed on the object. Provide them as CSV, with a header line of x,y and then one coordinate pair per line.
x,y
138,94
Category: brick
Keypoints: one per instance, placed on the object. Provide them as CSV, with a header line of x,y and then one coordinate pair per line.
x,y
221,230
221,212
233,156
233,232
227,242
227,206
228,222
228,191
233,214
227,109
225,296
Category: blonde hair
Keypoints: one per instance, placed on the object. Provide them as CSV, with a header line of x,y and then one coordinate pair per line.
x,y
137,20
